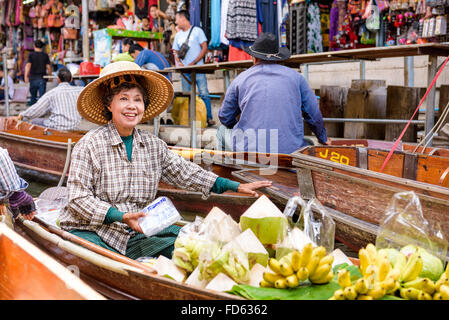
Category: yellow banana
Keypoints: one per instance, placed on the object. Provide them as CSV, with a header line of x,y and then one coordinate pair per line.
x,y
292,281
319,252
313,264
265,284
344,278
376,292
443,280
271,277
400,262
296,260
339,295
412,268
364,297
412,293
275,265
372,252
437,296
424,296
364,260
280,283
329,259
350,293
286,269
326,279
302,274
444,291
447,270
361,286
394,274
388,285
320,272
403,293
417,283
306,254
384,268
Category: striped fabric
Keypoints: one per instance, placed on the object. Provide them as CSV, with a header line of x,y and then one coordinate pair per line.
x,y
101,176
9,179
241,20
61,103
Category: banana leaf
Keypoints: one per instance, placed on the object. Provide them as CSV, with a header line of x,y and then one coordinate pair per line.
x,y
306,291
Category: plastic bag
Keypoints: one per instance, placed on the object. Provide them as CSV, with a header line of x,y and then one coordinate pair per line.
x,y
161,213
404,225
321,232
50,210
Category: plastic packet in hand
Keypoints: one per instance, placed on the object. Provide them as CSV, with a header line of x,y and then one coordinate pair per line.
x,y
321,232
160,214
49,210
404,225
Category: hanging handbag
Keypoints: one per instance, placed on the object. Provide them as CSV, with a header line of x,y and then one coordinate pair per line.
x,y
69,34
185,46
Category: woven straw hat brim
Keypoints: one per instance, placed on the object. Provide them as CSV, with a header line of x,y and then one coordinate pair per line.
x,y
159,89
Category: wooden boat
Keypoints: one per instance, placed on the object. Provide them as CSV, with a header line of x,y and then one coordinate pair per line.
x,y
27,273
348,180
112,275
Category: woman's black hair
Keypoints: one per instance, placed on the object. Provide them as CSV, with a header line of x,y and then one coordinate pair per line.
x,y
111,92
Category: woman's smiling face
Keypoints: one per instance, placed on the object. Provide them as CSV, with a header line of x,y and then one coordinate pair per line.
x,y
127,108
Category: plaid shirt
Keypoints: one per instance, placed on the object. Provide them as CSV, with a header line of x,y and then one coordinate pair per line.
x,y
101,176
9,179
61,102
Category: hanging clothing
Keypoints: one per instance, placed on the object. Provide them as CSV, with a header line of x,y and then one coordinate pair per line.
x,y
215,23
237,54
314,39
223,22
141,8
270,16
242,20
194,11
205,17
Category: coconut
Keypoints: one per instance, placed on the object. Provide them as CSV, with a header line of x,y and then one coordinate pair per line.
x,y
256,275
220,226
248,243
265,220
221,283
167,268
340,257
194,280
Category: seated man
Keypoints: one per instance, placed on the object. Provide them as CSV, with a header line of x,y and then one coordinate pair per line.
x,y
2,86
60,102
149,59
12,188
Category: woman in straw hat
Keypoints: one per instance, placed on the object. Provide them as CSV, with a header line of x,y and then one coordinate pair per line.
x,y
116,168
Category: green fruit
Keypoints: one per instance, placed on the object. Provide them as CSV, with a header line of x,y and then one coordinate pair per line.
x,y
432,266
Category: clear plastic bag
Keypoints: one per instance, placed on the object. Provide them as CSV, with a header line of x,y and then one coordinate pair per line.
x,y
321,232
404,225
161,213
50,210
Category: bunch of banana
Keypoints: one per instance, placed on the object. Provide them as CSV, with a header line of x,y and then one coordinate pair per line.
x,y
378,277
298,266
426,289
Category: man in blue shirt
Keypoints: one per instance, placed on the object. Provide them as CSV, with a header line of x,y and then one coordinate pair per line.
x,y
272,100
197,42
149,59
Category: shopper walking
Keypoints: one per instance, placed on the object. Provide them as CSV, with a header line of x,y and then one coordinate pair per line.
x,y
196,40
37,66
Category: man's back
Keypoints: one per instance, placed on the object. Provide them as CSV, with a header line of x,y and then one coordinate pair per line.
x,y
61,102
269,98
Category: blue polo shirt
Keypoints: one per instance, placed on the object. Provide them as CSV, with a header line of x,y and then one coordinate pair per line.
x,y
272,101
150,56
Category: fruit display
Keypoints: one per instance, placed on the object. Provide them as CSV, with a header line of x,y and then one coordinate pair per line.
x,y
396,273
310,264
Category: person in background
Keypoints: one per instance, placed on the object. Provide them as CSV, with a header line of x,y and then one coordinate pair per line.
x,y
146,24
37,66
2,86
195,55
116,168
272,101
60,102
158,18
121,21
124,56
149,59
12,189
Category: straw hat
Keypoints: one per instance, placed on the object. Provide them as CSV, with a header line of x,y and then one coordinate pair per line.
x,y
159,89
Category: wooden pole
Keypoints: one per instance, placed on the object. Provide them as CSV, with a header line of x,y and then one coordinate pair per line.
x,y
430,100
192,110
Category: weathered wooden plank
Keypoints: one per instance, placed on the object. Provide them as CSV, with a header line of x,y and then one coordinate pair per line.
x,y
332,104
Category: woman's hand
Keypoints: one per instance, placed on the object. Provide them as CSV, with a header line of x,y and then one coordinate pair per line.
x,y
131,219
250,187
